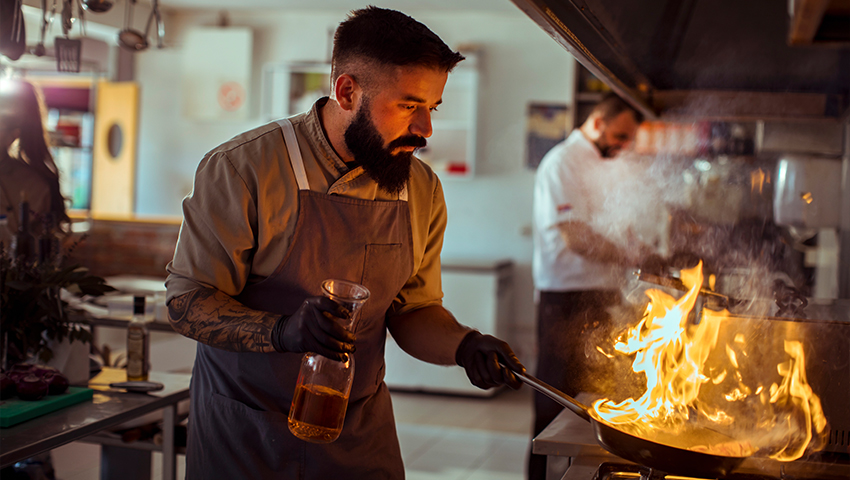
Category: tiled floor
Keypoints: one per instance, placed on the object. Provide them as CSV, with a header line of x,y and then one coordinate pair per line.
x,y
442,437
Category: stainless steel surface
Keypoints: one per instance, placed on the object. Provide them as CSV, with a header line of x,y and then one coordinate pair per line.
x,y
667,457
734,53
570,436
105,410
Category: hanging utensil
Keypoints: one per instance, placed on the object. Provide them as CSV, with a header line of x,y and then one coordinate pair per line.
x,y
67,16
97,6
68,51
160,27
666,458
17,21
12,29
81,16
39,49
129,38
68,54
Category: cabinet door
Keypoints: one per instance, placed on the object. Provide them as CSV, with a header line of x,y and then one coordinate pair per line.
x,y
114,148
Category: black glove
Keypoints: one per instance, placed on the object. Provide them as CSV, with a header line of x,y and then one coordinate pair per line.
x,y
482,355
312,328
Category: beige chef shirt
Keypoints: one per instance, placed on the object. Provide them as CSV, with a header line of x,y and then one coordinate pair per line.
x,y
239,219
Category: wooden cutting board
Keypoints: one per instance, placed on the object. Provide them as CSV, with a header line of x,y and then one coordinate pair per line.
x,y
14,410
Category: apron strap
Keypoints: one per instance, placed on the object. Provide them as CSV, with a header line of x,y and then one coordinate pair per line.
x,y
298,163
294,153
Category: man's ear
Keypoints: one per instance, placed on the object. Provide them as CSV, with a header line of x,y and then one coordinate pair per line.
x,y
598,123
346,91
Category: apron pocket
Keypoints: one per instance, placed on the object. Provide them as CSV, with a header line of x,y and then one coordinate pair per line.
x,y
382,262
260,441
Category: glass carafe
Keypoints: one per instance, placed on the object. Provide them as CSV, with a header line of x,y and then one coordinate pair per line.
x,y
321,393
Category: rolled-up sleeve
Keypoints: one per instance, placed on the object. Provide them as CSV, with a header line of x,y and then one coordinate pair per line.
x,y
217,238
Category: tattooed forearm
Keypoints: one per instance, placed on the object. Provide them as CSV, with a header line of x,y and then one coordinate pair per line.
x,y
216,319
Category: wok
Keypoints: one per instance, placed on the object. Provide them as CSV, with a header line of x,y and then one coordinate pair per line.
x,y
666,458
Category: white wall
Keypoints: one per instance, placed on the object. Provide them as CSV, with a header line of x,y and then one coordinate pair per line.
x,y
489,215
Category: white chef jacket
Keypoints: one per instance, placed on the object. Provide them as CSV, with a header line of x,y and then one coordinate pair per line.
x,y
571,184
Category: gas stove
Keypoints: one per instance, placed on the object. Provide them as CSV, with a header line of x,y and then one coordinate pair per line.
x,y
570,436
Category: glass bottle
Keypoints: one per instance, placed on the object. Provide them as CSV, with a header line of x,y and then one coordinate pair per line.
x,y
321,393
23,241
138,343
5,237
48,242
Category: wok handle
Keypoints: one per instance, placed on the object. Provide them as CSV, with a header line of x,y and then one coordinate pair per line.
x,y
555,394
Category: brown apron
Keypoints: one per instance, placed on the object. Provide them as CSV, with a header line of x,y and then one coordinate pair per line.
x,y
240,401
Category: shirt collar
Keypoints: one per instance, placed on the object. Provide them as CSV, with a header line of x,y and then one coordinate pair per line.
x,y
578,137
348,179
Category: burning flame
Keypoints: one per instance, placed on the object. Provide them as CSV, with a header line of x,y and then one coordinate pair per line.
x,y
758,178
702,378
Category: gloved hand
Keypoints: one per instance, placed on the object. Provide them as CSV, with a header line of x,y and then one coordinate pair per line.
x,y
312,328
480,355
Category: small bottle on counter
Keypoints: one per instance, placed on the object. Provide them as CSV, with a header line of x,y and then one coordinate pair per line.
x,y
138,343
23,248
5,237
48,242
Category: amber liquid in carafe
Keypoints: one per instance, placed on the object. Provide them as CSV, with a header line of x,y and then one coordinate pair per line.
x,y
317,413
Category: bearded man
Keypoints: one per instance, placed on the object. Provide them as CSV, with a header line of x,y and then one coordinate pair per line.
x,y
335,192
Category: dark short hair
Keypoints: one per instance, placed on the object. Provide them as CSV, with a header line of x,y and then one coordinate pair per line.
x,y
390,38
612,105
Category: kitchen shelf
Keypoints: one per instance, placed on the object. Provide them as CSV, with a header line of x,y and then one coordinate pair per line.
x,y
292,88
451,150
587,92
71,137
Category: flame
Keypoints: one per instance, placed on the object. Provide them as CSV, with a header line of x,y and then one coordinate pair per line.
x,y
701,375
758,178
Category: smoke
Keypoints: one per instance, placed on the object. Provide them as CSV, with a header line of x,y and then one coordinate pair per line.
x,y
631,200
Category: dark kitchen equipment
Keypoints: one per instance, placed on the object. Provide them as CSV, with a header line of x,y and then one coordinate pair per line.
x,y
658,456
722,57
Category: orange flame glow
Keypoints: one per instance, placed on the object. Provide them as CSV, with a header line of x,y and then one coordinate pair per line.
x,y
758,178
702,376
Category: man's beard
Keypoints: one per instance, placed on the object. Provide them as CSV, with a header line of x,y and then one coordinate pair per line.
x,y
606,150
389,171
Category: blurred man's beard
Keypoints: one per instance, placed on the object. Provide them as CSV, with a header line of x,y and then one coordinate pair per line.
x,y
607,151
389,171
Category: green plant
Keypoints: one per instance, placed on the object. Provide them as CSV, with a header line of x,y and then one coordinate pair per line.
x,y
32,312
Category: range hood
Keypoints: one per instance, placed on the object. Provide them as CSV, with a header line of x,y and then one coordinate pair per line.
x,y
758,59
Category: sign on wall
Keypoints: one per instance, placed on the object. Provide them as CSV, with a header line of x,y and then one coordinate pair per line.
x,y
217,73
546,127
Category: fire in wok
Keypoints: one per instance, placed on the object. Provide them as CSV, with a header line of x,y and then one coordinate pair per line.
x,y
740,378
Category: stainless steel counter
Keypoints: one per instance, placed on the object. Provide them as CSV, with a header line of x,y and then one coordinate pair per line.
x,y
107,409
570,436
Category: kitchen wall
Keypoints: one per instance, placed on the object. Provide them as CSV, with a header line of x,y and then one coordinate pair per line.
x,y
489,215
